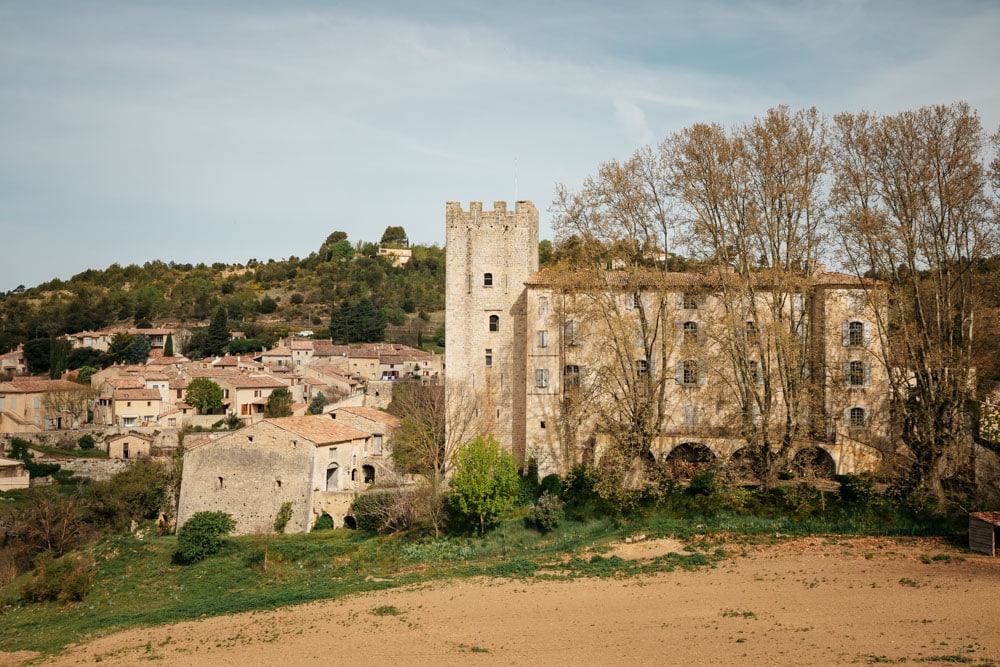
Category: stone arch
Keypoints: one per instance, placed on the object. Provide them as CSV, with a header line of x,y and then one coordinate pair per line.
x,y
688,458
350,522
368,473
741,463
813,461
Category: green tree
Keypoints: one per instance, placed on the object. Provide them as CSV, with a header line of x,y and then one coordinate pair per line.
x,y
394,235
341,251
267,305
168,346
138,351
37,355
59,349
485,481
119,348
218,333
317,404
279,403
84,374
204,395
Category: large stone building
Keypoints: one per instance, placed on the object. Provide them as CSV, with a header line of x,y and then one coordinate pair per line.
x,y
532,347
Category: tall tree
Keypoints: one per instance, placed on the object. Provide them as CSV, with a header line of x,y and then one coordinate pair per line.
x,y
218,333
394,235
754,201
912,212
168,346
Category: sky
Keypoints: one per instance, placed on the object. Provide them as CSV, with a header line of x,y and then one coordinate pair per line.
x,y
223,131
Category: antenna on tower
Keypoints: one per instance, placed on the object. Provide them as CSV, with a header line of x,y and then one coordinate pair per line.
x,y
515,179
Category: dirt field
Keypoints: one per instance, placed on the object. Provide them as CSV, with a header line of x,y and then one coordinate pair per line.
x,y
814,601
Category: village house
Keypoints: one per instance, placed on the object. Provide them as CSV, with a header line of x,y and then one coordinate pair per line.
x,y
33,405
380,425
246,395
315,463
135,407
12,363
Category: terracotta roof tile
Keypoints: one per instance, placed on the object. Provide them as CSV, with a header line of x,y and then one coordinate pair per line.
x,y
319,429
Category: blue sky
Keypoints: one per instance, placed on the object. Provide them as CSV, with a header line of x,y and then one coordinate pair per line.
x,y
224,131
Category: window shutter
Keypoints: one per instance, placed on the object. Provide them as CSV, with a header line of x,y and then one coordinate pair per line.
x,y
701,333
679,373
652,366
845,334
867,328
679,300
846,366
700,300
868,373
701,373
847,417
680,332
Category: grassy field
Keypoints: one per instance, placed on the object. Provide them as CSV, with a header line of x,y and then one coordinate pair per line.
x,y
136,584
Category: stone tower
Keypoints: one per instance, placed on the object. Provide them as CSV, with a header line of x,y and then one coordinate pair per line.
x,y
490,255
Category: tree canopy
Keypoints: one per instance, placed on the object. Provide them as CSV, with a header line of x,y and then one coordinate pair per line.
x,y
485,480
204,395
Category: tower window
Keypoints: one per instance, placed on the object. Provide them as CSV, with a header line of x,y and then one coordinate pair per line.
x,y
487,280
541,378
494,323
489,357
856,417
571,375
641,368
543,338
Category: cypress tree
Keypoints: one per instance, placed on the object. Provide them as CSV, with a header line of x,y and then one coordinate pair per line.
x,y
168,346
218,332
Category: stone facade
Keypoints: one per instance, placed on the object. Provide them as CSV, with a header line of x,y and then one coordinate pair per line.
x,y
553,338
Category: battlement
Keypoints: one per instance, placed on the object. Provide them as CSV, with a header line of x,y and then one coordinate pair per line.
x,y
524,213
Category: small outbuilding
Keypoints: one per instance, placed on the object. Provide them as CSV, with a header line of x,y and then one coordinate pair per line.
x,y
983,532
129,446
13,475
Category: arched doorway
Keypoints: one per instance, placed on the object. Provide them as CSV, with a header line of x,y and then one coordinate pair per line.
x,y
333,477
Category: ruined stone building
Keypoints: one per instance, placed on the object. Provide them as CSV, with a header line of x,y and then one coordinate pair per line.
x,y
542,352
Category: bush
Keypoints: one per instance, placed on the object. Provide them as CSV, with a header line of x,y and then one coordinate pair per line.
x,y
65,579
86,442
546,514
857,489
552,484
703,483
323,522
384,512
284,515
201,536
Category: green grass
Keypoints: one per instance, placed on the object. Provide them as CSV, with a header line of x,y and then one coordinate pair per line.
x,y
135,583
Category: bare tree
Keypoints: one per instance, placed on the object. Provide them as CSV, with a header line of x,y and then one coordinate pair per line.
x,y
912,212
70,402
753,198
435,420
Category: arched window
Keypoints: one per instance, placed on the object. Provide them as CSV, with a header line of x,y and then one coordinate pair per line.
x,y
857,417
857,373
690,333
333,477
494,323
487,280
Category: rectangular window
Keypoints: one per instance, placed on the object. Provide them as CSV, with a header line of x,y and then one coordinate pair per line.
x,y
541,378
489,357
641,368
571,333
377,445
36,403
543,338
690,415
571,375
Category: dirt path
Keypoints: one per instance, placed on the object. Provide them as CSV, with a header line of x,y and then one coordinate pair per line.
x,y
812,601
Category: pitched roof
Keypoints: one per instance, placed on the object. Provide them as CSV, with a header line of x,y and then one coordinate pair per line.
x,y
136,395
372,414
253,382
131,435
319,429
39,385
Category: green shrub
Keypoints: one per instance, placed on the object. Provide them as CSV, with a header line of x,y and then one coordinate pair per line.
x,y
703,483
65,579
201,536
552,484
323,522
86,442
857,489
546,514
370,509
284,515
